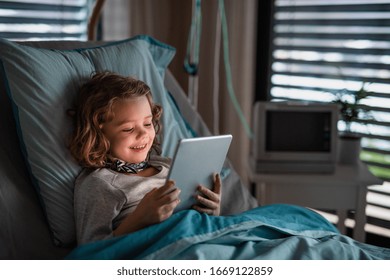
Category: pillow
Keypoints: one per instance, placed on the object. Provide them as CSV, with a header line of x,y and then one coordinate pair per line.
x,y
42,85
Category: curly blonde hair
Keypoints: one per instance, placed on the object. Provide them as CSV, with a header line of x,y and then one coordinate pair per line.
x,y
94,103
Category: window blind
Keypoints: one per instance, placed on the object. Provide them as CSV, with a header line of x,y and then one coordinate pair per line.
x,y
323,47
44,19
326,46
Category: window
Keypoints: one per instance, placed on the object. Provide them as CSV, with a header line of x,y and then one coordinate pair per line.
x,y
44,19
326,46
322,47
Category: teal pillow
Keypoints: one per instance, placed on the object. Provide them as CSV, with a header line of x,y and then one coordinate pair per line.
x,y
42,85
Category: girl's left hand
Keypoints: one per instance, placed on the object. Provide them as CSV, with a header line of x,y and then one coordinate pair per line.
x,y
209,202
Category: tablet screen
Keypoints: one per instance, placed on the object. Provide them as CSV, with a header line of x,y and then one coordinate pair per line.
x,y
194,163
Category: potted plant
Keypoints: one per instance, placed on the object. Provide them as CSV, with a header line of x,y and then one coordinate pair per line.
x,y
351,110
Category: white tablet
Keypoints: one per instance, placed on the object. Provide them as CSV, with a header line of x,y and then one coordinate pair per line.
x,y
194,163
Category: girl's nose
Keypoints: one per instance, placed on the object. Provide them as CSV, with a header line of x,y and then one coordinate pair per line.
x,y
141,132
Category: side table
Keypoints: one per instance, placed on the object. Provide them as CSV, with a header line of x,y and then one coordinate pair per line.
x,y
343,190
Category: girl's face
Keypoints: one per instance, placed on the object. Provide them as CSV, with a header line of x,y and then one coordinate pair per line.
x,y
131,131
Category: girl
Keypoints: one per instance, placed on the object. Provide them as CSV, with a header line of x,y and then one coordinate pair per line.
x,y
122,186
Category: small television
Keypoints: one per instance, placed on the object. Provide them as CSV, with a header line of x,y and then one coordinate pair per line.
x,y
295,137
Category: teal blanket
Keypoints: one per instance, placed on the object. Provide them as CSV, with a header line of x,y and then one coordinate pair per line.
x,y
274,232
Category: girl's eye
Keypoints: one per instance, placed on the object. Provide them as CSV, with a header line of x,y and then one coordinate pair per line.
x,y
128,130
148,124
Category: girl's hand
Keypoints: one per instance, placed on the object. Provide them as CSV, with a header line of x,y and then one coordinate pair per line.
x,y
158,204
155,207
209,202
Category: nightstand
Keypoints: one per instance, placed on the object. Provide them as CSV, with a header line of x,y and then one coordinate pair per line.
x,y
343,190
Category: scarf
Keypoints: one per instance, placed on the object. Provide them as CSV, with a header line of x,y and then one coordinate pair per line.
x,y
126,167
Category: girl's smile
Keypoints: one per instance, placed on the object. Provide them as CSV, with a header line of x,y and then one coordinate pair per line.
x,y
139,148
